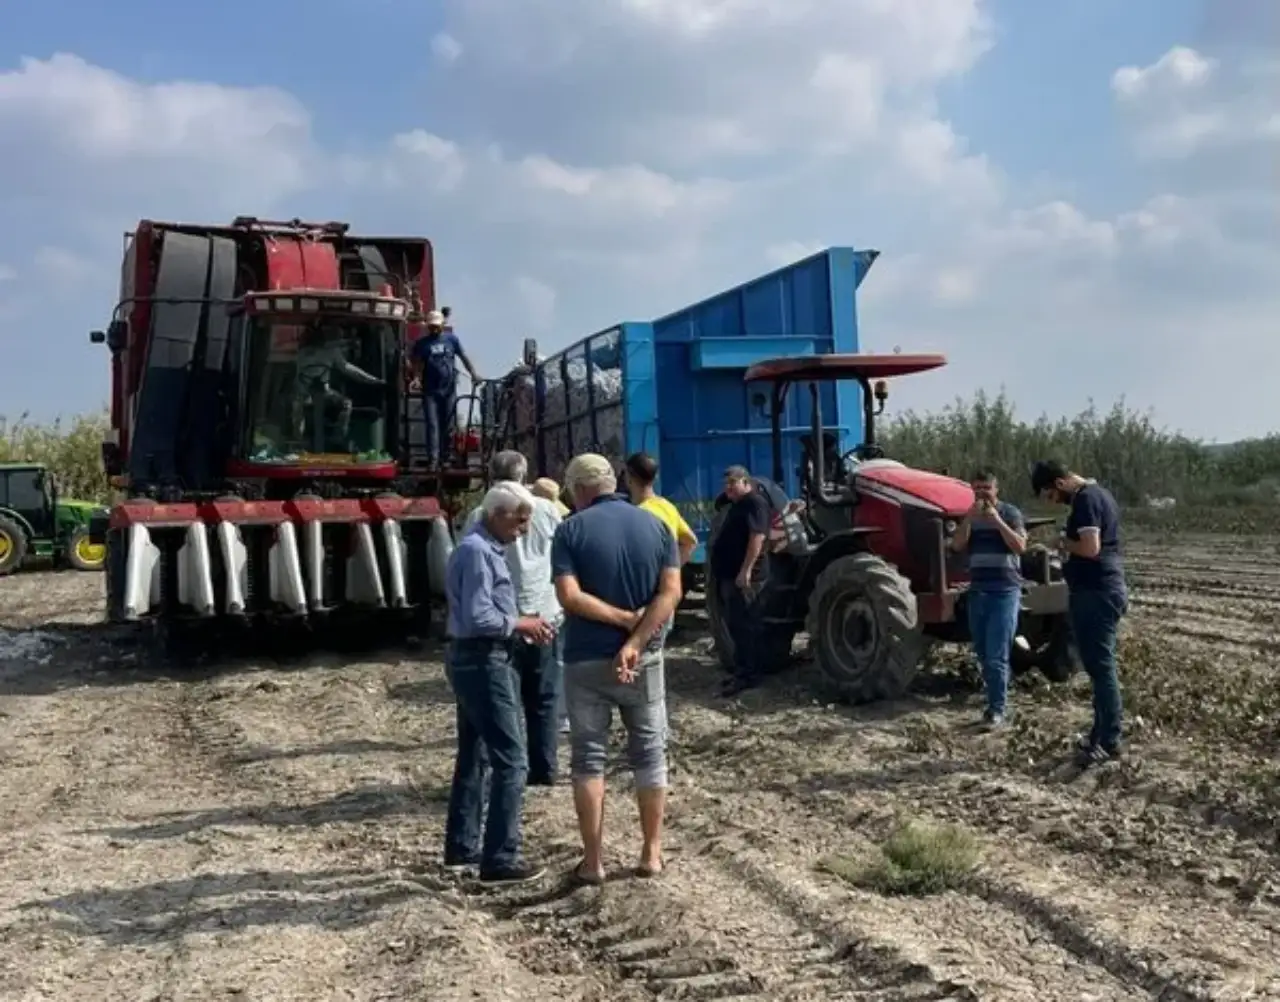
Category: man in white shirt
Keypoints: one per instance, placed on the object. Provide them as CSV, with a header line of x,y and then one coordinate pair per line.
x,y
540,668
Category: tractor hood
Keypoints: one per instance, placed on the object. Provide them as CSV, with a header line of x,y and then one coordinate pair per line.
x,y
954,497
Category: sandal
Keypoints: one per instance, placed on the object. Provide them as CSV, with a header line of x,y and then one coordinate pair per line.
x,y
581,878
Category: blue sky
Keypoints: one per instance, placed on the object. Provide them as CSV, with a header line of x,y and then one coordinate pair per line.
x,y
1074,201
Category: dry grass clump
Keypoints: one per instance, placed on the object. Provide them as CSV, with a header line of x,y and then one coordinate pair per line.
x,y
915,859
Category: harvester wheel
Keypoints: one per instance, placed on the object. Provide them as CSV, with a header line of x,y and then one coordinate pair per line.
x,y
13,546
84,554
864,630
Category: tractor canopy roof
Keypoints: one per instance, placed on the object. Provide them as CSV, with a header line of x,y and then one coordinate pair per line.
x,y
811,368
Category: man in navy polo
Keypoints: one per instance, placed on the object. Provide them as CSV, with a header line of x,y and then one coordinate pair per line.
x,y
434,358
617,576
1099,597
994,535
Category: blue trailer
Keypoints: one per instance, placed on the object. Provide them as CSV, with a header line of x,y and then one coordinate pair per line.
x,y
673,387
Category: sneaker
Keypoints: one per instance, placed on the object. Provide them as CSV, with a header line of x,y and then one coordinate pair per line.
x,y
736,685
510,876
992,720
1096,754
461,865
564,726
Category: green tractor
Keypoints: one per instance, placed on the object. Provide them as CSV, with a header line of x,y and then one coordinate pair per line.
x,y
36,523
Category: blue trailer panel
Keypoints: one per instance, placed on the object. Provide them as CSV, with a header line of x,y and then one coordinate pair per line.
x,y
673,387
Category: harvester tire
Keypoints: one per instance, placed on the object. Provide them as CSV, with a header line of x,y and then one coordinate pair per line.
x,y
84,555
13,546
864,630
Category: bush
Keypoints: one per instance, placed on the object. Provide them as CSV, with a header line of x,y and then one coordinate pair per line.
x,y
72,450
1124,449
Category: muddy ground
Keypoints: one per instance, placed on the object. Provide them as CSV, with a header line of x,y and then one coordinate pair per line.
x,y
267,831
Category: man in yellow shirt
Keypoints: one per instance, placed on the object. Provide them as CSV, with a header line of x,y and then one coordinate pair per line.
x,y
642,471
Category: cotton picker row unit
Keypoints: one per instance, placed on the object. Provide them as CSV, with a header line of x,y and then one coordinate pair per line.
x,y
261,426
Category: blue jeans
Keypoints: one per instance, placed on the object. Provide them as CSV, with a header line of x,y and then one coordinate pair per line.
x,y
993,623
490,740
440,411
1095,621
743,628
541,687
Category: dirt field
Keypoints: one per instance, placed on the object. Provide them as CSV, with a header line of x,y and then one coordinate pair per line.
x,y
273,832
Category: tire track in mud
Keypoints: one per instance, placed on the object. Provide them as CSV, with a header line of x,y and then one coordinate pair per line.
x,y
1037,896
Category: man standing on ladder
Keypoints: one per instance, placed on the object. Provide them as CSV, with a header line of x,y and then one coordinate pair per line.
x,y
434,358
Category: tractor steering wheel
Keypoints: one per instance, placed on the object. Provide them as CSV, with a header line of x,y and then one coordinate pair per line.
x,y
863,452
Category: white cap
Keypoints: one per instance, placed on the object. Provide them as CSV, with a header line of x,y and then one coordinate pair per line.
x,y
590,470
435,319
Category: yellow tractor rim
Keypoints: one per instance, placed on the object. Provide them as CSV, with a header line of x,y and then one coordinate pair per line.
x,y
6,545
89,553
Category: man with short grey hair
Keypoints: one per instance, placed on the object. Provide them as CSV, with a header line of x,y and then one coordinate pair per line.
x,y
617,574
541,669
484,626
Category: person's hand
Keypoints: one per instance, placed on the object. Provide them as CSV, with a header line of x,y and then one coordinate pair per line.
x,y
535,629
415,385
627,663
743,580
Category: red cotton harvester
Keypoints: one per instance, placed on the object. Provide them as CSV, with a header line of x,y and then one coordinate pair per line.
x,y
262,427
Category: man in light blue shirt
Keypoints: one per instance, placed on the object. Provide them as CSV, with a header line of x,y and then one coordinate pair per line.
x,y
541,669
484,626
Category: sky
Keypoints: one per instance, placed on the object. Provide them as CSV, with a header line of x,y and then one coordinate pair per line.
x,y
1075,202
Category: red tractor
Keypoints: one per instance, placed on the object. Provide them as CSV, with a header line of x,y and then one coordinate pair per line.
x,y
862,560
262,431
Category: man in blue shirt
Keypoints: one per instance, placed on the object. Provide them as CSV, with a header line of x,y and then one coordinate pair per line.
x,y
995,537
617,576
483,625
1099,597
434,358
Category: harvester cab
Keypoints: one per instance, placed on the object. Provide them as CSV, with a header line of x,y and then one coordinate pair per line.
x,y
862,560
262,426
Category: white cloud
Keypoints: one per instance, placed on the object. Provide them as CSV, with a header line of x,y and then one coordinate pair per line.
x,y
445,47
1185,102
600,160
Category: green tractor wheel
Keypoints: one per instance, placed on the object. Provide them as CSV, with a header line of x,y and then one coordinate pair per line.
x,y
84,554
13,546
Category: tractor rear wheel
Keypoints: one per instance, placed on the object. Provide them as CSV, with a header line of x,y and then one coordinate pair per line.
x,y
83,554
864,630
13,546
1051,652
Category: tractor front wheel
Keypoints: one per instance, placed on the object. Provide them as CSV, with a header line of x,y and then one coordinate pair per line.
x,y
13,546
83,554
864,630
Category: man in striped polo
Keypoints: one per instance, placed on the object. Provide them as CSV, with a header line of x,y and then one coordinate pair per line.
x,y
994,535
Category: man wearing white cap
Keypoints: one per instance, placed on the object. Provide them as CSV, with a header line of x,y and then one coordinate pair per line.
x,y
435,358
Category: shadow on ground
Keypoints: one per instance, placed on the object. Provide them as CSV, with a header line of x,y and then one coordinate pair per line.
x,y
364,804
330,899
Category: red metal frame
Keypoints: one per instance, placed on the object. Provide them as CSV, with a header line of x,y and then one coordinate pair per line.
x,y
836,367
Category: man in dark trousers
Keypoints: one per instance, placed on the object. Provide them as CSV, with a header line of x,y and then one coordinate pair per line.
x,y
1099,599
484,625
434,358
734,554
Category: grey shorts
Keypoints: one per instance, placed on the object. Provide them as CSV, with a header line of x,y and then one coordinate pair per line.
x,y
592,692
